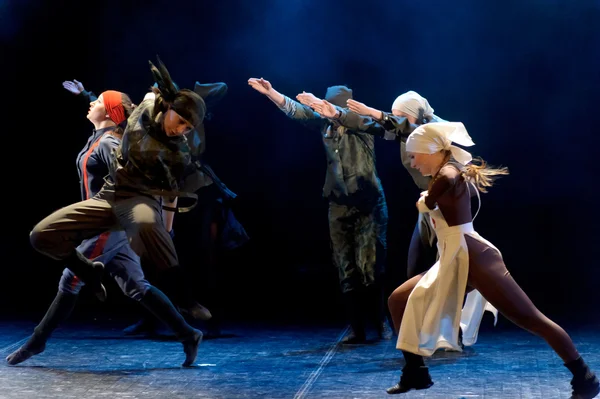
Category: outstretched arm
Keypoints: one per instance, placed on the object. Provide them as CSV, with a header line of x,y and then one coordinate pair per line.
x,y
375,121
365,120
390,127
291,108
76,87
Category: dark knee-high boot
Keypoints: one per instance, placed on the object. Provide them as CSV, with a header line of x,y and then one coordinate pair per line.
x,y
89,272
353,301
376,311
59,311
415,375
585,383
156,302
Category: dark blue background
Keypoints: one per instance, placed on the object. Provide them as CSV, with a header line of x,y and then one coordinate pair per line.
x,y
523,77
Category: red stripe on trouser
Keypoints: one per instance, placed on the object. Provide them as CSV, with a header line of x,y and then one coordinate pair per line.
x,y
97,251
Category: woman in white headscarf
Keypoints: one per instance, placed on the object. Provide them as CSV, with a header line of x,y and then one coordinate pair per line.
x,y
409,110
427,308
417,110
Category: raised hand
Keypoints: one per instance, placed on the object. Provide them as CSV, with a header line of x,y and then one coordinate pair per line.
x,y
307,98
359,108
324,108
260,85
74,86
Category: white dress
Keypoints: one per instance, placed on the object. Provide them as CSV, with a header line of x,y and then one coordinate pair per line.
x,y
435,308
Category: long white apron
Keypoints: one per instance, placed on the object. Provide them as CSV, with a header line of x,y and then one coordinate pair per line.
x,y
435,308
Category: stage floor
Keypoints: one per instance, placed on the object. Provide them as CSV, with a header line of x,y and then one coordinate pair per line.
x,y
87,360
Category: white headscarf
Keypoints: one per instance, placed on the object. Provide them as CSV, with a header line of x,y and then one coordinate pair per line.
x,y
434,137
413,104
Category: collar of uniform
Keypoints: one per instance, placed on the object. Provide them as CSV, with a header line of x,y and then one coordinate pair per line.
x,y
105,129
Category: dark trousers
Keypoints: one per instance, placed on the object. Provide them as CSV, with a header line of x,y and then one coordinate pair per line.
x,y
121,263
139,216
358,241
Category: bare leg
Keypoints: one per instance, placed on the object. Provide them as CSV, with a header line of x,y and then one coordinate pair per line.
x,y
398,299
488,274
414,374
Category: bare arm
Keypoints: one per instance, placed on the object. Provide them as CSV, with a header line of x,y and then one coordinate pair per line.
x,y
168,216
276,97
390,127
377,122
265,88
291,108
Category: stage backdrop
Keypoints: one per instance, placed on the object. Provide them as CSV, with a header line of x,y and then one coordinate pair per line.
x,y
522,77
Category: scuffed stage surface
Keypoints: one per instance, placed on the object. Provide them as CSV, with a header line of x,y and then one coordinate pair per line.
x,y
84,360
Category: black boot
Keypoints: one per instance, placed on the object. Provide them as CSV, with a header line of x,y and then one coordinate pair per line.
x,y
354,309
59,310
415,375
412,378
376,311
585,383
89,272
158,303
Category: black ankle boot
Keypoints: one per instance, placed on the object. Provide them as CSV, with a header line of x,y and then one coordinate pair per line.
x,y
585,383
354,310
59,310
376,311
158,303
585,388
412,378
89,272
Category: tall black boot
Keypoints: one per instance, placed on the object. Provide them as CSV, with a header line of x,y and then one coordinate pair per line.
x,y
415,375
376,311
353,301
59,311
89,272
585,383
156,302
